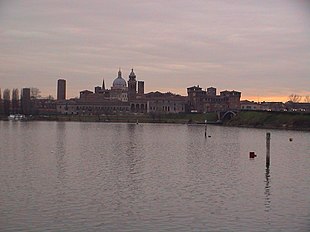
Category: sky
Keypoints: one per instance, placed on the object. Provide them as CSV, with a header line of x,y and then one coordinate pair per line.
x,y
261,48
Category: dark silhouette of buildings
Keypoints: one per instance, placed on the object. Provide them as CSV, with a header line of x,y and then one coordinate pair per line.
x,y
202,101
61,89
123,99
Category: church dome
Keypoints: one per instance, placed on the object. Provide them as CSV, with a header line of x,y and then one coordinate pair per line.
x,y
119,82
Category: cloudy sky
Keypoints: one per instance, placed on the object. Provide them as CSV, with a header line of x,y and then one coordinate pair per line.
x,y
261,48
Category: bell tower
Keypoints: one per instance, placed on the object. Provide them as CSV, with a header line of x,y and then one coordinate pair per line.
x,y
132,86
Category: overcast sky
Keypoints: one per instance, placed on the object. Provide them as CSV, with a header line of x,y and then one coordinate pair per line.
x,y
261,48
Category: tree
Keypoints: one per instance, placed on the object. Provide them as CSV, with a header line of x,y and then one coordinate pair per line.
x,y
15,101
1,104
307,99
50,97
294,98
6,101
34,93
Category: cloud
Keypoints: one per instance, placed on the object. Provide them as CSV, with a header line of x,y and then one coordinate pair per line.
x,y
242,45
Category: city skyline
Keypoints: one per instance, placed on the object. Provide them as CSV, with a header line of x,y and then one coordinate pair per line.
x,y
259,49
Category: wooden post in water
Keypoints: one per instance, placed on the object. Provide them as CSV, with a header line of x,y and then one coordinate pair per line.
x,y
206,128
267,150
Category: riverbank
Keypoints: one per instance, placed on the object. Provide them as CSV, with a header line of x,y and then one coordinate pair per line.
x,y
271,120
252,119
133,118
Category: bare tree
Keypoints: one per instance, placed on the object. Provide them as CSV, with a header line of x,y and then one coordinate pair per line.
x,y
294,98
35,93
15,94
307,99
7,94
1,103
50,97
15,101
6,101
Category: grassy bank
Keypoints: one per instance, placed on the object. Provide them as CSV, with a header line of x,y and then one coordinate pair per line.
x,y
133,118
266,119
255,119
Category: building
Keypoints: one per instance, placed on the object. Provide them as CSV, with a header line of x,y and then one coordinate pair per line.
x,y
61,90
78,107
118,99
249,105
44,106
196,97
165,103
297,106
231,99
202,101
211,91
125,97
272,106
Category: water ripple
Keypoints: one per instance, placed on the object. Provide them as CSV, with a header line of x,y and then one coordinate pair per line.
x,y
69,176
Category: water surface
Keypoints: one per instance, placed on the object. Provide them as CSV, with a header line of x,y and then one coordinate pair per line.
x,y
71,176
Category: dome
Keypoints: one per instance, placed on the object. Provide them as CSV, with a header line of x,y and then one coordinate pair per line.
x,y
119,82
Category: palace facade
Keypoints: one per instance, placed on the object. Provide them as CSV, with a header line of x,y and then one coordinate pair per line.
x,y
203,101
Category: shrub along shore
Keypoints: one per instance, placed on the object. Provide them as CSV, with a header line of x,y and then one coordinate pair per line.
x,y
271,120
254,119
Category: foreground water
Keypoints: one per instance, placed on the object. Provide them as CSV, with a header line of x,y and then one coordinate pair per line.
x,y
70,176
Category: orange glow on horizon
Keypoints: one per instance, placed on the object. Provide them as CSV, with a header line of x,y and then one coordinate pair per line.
x,y
243,97
265,98
181,91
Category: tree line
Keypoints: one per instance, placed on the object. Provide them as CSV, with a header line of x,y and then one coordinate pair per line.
x,y
297,98
11,101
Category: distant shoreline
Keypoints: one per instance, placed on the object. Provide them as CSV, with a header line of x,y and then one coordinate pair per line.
x,y
271,120
244,119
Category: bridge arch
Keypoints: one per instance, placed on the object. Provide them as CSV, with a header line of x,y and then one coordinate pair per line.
x,y
228,115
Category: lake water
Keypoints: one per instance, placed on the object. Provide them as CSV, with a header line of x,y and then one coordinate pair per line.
x,y
71,176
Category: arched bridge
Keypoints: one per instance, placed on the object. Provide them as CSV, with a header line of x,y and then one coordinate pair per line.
x,y
226,115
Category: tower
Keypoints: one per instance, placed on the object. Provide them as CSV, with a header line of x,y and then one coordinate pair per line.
x,y
61,89
211,91
132,86
140,87
103,85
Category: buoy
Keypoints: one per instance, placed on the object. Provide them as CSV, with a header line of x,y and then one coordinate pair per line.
x,y
252,155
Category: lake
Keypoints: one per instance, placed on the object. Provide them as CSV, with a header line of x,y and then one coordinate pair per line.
x,y
72,176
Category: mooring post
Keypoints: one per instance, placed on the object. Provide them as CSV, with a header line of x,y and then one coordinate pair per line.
x,y
267,150
205,128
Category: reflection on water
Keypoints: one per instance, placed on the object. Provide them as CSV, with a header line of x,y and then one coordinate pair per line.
x,y
69,176
60,151
267,190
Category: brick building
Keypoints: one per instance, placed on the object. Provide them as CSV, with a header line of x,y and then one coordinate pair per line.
x,y
202,101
